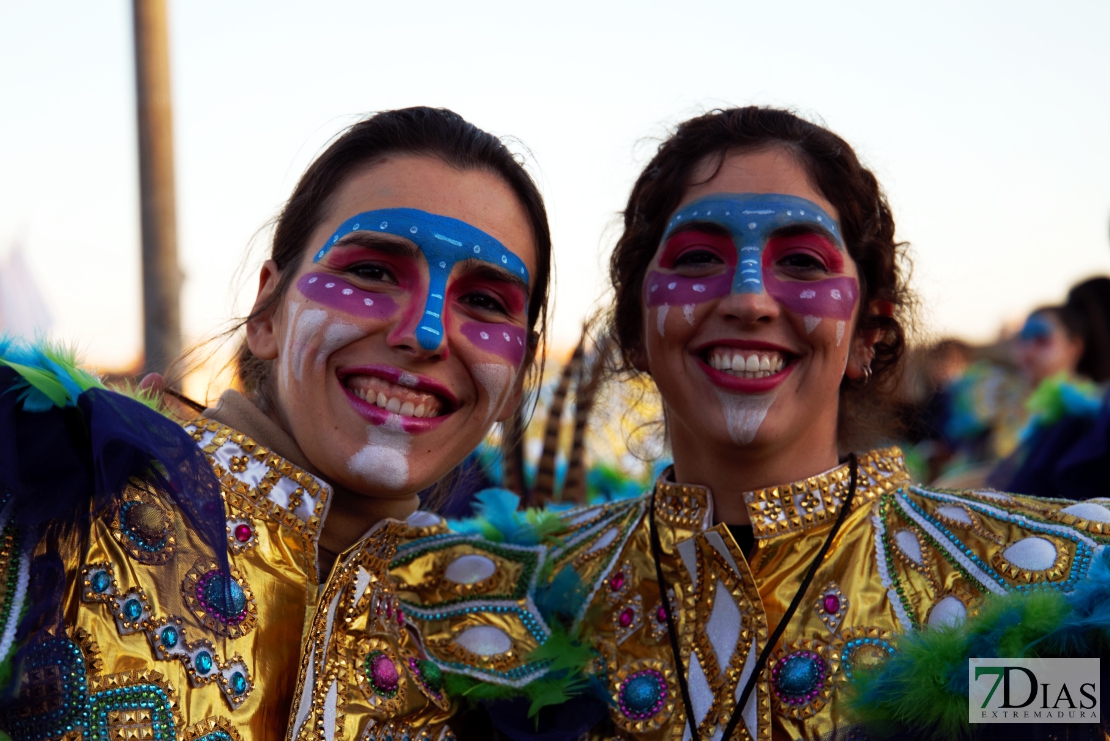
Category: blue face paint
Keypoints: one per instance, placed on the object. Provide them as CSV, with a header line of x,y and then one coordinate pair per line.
x,y
444,242
1037,329
751,219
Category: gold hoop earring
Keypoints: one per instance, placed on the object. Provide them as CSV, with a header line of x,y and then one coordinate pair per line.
x,y
866,374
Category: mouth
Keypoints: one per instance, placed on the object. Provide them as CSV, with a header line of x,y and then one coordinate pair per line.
x,y
381,393
750,369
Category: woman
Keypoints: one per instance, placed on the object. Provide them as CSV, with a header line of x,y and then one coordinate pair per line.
x,y
758,282
396,320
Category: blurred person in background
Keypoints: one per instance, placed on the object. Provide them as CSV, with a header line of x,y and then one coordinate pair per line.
x,y
225,577
1065,445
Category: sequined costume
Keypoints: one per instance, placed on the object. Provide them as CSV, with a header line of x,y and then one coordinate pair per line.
x,y
157,641
905,557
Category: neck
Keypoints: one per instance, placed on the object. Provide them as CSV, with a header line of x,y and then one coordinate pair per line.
x,y
350,515
729,470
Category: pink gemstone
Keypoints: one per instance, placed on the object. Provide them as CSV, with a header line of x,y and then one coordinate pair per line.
x,y
626,617
661,614
243,533
388,610
832,604
400,616
617,582
384,673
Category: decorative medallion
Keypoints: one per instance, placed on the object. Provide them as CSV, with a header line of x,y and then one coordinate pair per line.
x,y
1033,559
131,611
627,618
211,729
429,678
224,605
379,676
865,648
136,704
143,525
643,692
242,534
802,678
98,582
53,692
235,682
831,607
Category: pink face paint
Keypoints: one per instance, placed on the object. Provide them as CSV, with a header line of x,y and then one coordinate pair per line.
x,y
334,292
834,298
503,340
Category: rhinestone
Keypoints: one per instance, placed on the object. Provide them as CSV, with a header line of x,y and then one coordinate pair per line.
x,y
243,532
626,617
238,683
203,662
617,581
132,609
169,636
100,581
641,694
831,604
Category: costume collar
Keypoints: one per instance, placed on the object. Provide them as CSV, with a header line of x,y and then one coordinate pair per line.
x,y
788,508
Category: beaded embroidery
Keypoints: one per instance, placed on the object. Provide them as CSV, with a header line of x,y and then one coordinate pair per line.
x,y
803,678
143,525
226,608
644,694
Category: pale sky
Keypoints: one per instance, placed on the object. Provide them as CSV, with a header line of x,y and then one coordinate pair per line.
x,y
988,124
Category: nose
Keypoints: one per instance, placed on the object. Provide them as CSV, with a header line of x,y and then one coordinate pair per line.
x,y
749,308
420,330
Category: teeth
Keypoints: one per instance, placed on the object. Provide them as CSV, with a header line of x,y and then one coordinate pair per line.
x,y
751,365
419,411
407,409
381,400
393,406
374,390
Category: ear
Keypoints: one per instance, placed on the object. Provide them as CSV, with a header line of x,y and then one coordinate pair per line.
x,y
262,336
862,349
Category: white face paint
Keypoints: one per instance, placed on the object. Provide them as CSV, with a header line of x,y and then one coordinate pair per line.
x,y
497,380
384,462
337,335
407,379
305,331
811,323
688,312
839,332
744,413
661,318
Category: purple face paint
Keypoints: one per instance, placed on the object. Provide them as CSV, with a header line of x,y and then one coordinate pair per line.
x,y
676,290
503,340
336,293
834,298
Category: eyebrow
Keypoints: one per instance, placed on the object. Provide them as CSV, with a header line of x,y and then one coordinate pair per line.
x,y
794,230
709,227
481,269
386,243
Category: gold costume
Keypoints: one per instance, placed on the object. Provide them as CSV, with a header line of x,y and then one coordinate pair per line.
x,y
147,656
905,557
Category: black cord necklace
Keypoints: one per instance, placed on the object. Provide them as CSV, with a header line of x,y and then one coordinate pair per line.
x,y
749,686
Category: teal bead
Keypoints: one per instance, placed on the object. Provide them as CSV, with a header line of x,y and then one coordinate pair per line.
x,y
203,662
100,581
132,609
798,676
215,594
641,694
169,636
238,683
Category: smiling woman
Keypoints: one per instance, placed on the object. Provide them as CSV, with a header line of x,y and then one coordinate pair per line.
x,y
169,573
768,573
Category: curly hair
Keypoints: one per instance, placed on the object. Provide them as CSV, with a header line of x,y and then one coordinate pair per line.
x,y
865,221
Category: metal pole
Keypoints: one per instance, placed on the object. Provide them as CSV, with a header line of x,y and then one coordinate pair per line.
x,y
161,273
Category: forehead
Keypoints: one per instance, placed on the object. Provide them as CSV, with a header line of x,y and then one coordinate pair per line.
x,y
773,170
477,198
754,216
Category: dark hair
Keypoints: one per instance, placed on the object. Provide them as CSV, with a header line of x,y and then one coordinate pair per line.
x,y
865,221
436,132
1086,314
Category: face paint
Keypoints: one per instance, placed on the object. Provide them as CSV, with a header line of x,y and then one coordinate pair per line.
x,y
336,293
385,459
744,414
444,242
495,379
504,340
750,249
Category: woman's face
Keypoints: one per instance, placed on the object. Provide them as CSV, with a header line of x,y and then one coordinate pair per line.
x,y
404,332
749,308
1045,348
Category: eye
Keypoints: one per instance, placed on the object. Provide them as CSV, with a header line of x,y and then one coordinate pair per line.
x,y
698,258
372,272
803,263
483,302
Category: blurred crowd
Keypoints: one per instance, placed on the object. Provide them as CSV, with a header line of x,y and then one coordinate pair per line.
x,y
1027,414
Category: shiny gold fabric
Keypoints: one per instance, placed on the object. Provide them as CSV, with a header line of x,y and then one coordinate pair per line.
x,y
904,558
278,667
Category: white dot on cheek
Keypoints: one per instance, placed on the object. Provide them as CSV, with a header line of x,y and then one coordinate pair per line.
x,y
483,335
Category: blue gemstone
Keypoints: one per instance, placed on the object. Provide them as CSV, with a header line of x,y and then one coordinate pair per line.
x,y
100,581
203,662
215,595
238,683
641,693
169,636
798,676
132,609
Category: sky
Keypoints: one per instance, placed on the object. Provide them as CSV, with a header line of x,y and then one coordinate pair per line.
x,y
987,123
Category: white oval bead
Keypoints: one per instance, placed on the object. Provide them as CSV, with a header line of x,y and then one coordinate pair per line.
x,y
470,569
485,640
